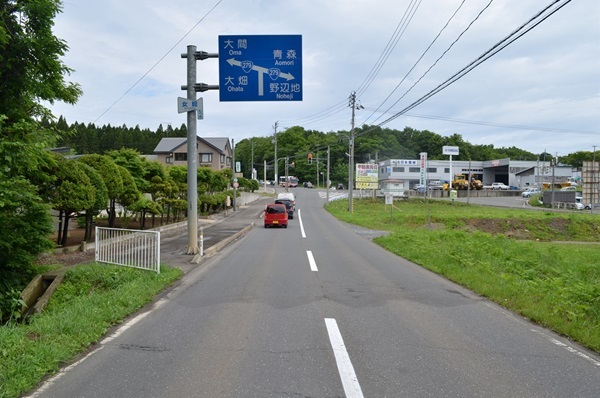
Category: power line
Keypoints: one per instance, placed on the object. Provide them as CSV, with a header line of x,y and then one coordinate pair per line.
x,y
511,126
391,44
158,62
420,58
516,34
441,56
324,114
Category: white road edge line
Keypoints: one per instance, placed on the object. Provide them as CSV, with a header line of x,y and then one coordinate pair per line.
x,y
568,348
61,372
349,379
311,261
301,225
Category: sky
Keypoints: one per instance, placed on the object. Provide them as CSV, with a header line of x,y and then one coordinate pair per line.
x,y
539,93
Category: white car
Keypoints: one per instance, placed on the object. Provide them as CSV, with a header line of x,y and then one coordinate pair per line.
x,y
287,195
499,185
529,192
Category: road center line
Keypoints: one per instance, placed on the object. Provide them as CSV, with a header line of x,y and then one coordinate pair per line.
x,y
301,225
311,261
349,380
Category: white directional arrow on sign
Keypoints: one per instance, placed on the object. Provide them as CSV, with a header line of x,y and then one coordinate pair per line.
x,y
249,65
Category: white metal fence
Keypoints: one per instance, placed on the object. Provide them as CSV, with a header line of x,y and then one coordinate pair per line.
x,y
130,248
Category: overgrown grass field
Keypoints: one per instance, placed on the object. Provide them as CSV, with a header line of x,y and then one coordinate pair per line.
x,y
543,265
91,299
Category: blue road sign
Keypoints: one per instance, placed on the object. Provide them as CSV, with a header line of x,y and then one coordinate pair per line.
x,y
260,68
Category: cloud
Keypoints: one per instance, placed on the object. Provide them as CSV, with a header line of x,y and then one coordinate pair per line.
x,y
550,78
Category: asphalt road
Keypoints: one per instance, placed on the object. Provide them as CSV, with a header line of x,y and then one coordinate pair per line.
x,y
318,310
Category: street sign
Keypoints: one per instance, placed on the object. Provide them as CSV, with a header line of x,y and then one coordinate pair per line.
x,y
450,150
260,68
188,105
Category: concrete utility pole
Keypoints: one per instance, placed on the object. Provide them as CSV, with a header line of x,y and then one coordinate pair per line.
x,y
287,174
275,142
252,160
354,107
594,188
192,152
553,163
351,154
265,175
234,179
327,181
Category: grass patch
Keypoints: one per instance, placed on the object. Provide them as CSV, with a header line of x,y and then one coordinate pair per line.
x,y
507,255
91,299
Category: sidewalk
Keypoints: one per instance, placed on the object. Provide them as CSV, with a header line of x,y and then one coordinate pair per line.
x,y
217,234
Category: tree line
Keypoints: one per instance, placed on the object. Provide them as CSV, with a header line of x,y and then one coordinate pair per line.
x,y
372,143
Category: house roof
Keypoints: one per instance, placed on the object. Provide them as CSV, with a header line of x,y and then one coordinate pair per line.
x,y
169,144
219,142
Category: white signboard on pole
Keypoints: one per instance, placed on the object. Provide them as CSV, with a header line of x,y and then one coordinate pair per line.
x,y
450,150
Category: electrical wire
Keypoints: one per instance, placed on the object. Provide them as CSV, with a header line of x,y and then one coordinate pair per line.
x,y
511,38
158,62
441,56
418,60
324,114
391,44
510,126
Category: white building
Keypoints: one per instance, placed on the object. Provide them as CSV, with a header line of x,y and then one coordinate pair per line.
x,y
516,173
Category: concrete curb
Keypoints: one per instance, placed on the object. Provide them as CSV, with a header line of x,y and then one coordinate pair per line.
x,y
211,251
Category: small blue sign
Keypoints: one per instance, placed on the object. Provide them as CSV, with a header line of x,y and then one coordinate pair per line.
x,y
260,68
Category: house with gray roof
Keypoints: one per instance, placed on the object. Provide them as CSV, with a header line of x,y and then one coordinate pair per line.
x,y
213,152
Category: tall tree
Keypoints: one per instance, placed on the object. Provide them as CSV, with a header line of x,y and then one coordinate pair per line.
x,y
71,193
129,195
31,68
100,202
109,171
31,71
134,163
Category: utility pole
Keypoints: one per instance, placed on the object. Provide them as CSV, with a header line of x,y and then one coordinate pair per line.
x,y
351,154
327,181
234,179
553,173
287,178
594,187
192,141
192,155
252,160
275,142
354,107
317,169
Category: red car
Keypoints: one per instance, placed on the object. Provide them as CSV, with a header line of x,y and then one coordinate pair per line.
x,y
276,215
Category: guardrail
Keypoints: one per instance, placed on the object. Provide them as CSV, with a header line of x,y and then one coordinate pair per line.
x,y
127,247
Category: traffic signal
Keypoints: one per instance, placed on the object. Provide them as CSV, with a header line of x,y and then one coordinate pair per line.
x,y
310,158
